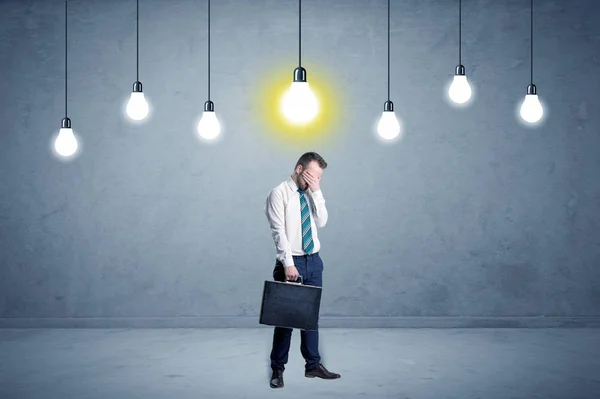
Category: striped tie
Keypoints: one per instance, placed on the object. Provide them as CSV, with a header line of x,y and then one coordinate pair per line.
x,y
307,241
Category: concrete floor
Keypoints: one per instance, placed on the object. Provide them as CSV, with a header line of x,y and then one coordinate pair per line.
x,y
233,363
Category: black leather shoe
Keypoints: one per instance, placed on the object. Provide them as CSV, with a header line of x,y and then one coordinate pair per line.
x,y
321,372
277,379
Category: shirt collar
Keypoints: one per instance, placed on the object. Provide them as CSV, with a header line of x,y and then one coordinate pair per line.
x,y
292,185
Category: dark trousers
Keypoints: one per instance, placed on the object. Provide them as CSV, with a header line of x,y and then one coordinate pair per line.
x,y
310,267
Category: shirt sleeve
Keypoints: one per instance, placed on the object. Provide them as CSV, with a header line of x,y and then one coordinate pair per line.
x,y
320,211
275,212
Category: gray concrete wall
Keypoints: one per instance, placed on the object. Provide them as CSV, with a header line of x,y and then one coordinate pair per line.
x,y
471,214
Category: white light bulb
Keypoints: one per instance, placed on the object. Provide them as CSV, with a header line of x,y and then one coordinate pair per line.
x,y
531,109
299,104
137,106
388,127
209,127
66,143
460,90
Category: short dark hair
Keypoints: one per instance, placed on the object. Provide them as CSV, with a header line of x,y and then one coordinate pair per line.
x,y
308,157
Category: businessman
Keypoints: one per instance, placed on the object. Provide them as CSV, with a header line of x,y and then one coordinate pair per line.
x,y
295,209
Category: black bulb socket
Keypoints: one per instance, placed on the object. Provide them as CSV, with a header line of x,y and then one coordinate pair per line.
x,y
209,106
137,87
299,74
388,106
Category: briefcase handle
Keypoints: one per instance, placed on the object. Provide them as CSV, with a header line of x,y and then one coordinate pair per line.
x,y
295,282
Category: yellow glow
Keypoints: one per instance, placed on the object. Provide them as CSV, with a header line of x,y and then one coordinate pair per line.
x,y
274,83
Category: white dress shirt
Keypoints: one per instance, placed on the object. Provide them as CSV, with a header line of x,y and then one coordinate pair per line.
x,y
282,209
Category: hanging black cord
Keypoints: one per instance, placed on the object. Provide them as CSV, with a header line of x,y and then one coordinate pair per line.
x,y
208,50
137,24
459,32
299,33
66,59
531,41
388,50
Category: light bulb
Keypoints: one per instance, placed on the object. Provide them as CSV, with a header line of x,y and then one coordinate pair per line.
x,y
209,127
388,127
137,106
299,104
66,143
531,109
460,90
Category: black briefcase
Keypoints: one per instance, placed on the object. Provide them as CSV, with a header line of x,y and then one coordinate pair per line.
x,y
291,305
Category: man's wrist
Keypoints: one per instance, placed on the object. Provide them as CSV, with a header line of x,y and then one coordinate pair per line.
x,y
288,261
317,192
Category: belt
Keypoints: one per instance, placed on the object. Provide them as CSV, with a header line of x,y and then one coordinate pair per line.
x,y
305,255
